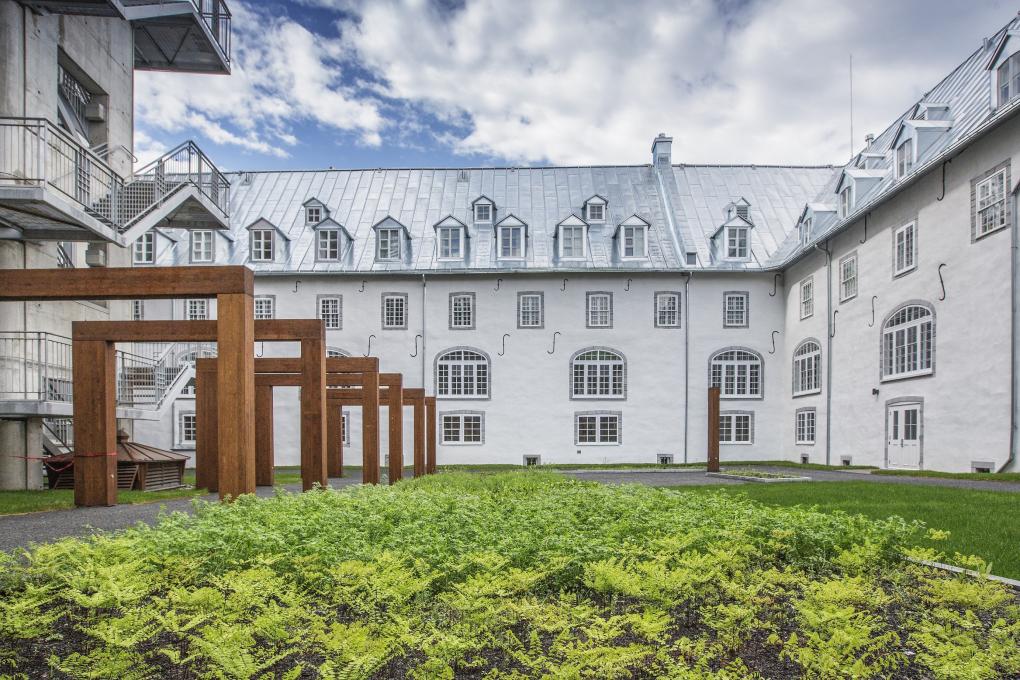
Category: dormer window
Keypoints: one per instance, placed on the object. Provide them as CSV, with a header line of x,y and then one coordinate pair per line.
x,y
313,214
483,210
737,243
743,211
388,244
904,157
327,245
595,209
572,242
201,246
144,249
451,238
263,245
805,230
633,236
511,235
845,201
1008,76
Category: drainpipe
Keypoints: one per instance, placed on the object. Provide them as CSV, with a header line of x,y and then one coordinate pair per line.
x,y
1014,396
423,299
828,350
687,367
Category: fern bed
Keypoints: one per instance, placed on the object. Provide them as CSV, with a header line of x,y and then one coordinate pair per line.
x,y
505,576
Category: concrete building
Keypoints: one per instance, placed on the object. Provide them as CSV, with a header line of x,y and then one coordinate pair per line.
x,y
72,196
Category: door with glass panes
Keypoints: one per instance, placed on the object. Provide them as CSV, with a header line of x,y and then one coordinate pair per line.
x,y
903,429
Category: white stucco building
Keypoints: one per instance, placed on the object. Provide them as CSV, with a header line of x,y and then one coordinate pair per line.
x,y
860,314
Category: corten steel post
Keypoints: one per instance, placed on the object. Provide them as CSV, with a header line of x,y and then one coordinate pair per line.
x,y
231,286
713,429
417,397
335,439
370,429
313,413
206,444
430,435
395,405
264,473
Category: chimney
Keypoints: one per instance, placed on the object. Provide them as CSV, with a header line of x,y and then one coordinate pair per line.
x,y
868,140
661,149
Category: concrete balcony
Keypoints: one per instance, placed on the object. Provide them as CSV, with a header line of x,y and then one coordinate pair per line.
x,y
54,188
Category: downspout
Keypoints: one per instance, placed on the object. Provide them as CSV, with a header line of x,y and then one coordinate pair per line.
x,y
1014,395
687,368
828,350
423,299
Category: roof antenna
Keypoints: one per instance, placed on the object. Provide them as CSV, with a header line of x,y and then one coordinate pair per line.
x,y
851,105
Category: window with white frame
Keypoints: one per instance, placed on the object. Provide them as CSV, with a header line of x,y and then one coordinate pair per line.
x,y
462,374
805,426
667,310
990,204
530,312
331,312
462,428
736,427
388,245
908,343
805,230
634,241
599,310
1008,78
596,212
196,310
511,242
450,243
483,212
736,310
189,388
846,200
262,245
571,242
462,310
807,368
336,353
904,157
265,307
327,245
201,246
905,249
737,243
737,373
807,297
848,277
137,310
144,249
345,428
692,259
598,374
394,311
187,429
313,214
596,428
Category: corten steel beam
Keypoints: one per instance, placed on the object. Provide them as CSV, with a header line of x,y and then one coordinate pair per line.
x,y
232,286
417,398
206,446
430,435
264,474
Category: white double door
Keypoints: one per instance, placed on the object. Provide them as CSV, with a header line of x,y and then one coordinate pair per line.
x,y
903,427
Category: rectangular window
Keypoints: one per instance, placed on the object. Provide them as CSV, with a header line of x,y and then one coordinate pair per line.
x,y
188,430
905,249
462,428
990,204
600,310
667,310
904,157
735,428
596,212
327,245
692,259
462,310
805,230
265,307
450,243
511,242
331,312
196,310
394,311
634,242
848,277
807,297
1009,79
597,428
262,241
845,201
735,310
483,212
137,310
529,310
806,426
389,245
571,242
313,214
201,246
144,250
345,428
736,243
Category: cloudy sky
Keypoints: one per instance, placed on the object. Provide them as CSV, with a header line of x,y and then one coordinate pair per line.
x,y
377,83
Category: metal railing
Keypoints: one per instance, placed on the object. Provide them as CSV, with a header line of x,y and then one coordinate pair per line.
x,y
217,17
61,431
157,181
35,152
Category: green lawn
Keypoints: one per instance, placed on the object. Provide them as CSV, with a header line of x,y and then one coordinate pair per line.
x,y
985,523
976,476
504,467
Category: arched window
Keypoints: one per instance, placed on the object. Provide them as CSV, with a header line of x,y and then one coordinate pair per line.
x,y
737,373
463,374
908,342
807,368
598,373
336,352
